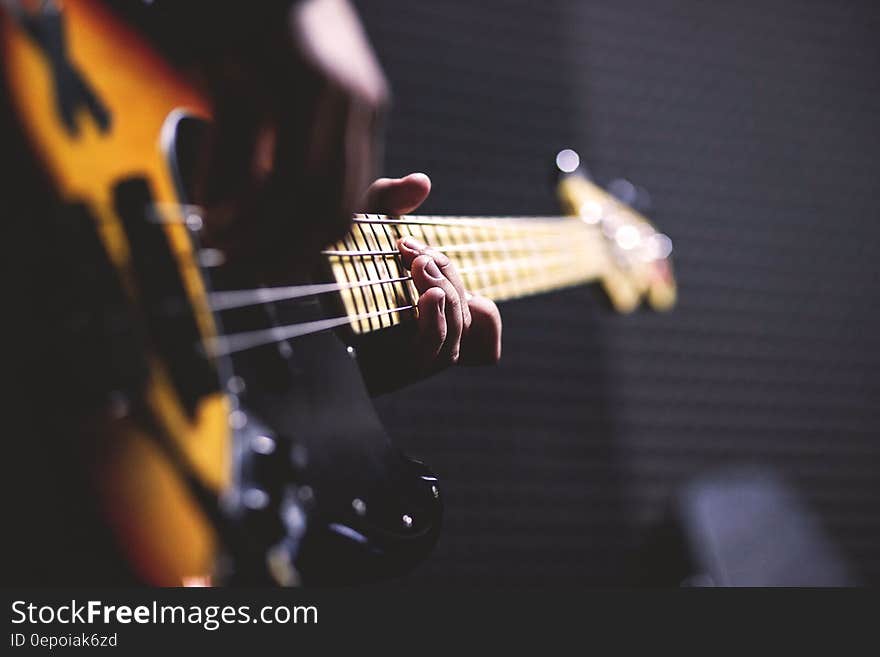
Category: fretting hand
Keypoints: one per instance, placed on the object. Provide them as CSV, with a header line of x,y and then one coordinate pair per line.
x,y
454,326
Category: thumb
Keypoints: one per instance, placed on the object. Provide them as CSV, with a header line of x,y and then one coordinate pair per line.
x,y
397,195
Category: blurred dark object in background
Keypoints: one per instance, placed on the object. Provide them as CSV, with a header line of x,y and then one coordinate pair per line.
x,y
744,527
754,127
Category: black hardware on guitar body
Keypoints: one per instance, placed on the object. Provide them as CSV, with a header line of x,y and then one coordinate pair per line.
x,y
319,493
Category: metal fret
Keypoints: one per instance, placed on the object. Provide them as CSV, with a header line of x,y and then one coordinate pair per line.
x,y
499,258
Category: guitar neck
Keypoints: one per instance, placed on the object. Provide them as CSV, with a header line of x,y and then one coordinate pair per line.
x,y
498,257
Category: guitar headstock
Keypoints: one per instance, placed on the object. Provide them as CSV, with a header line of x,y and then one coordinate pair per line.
x,y
638,255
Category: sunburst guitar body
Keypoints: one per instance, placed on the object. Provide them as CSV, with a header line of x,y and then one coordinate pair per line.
x,y
160,527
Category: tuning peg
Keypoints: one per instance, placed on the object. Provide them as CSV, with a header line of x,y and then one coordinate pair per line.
x,y
636,197
659,246
643,202
623,190
567,161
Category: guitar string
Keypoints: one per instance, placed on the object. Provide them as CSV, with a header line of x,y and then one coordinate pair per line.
x,y
224,300
231,343
194,218
209,258
234,342
194,215
535,234
222,345
534,223
527,243
232,299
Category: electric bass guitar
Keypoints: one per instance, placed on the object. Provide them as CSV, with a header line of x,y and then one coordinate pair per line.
x,y
226,432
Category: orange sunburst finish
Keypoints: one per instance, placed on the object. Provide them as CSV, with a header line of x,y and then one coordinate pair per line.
x,y
157,523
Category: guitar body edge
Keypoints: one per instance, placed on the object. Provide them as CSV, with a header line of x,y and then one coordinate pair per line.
x,y
159,526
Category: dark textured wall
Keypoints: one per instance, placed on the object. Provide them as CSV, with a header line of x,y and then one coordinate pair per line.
x,y
755,127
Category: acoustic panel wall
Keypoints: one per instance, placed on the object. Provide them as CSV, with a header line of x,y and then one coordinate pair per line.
x,y
755,128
